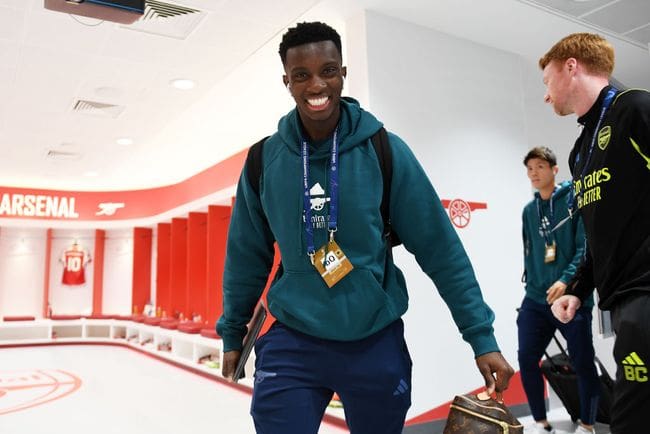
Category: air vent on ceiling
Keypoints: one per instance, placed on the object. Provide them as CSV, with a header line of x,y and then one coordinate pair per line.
x,y
96,108
167,19
54,154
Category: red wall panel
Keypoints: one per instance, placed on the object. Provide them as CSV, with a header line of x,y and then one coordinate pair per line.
x,y
163,256
178,267
197,230
218,222
276,266
141,288
46,283
98,273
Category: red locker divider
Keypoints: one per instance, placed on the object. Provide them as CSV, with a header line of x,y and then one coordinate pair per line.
x,y
218,222
98,272
46,282
163,255
142,250
197,229
178,267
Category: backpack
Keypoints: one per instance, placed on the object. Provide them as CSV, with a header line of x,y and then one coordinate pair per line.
x,y
380,144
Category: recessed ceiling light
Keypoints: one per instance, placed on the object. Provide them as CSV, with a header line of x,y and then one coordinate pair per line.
x,y
91,173
182,83
124,141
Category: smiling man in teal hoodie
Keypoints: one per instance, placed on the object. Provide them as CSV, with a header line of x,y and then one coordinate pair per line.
x,y
340,298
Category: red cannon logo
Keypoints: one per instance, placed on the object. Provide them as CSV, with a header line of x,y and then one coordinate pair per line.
x,y
460,212
20,390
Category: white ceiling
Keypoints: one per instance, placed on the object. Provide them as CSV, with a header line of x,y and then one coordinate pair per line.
x,y
49,61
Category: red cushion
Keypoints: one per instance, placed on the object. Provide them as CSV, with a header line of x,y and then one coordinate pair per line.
x,y
100,316
190,327
152,320
122,317
170,324
65,317
18,318
138,318
210,333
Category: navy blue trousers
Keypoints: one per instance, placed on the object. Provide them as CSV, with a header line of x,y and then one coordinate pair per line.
x,y
536,325
297,374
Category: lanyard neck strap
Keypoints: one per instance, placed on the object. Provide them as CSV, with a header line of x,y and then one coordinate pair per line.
x,y
546,222
333,190
609,97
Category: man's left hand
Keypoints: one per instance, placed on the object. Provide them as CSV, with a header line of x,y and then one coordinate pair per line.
x,y
496,371
555,291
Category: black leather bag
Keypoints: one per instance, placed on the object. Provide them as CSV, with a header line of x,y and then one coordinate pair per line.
x,y
471,414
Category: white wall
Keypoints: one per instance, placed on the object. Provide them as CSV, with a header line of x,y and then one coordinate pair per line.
x,y
22,272
71,299
543,126
22,267
118,272
470,113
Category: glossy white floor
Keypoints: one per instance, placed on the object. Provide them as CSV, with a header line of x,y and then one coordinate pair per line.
x,y
560,419
113,390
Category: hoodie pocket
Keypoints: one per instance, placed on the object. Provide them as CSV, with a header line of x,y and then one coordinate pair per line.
x,y
349,310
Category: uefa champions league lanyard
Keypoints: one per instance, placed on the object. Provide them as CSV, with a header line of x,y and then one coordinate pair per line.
x,y
546,222
603,111
334,193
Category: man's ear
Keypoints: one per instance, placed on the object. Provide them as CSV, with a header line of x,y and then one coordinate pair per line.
x,y
285,80
571,64
555,170
344,71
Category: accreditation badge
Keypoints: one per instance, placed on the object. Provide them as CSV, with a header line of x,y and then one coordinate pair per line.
x,y
331,263
549,254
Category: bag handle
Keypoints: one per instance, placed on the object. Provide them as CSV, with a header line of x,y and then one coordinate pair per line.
x,y
562,350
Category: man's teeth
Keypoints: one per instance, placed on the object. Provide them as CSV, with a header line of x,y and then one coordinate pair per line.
x,y
317,101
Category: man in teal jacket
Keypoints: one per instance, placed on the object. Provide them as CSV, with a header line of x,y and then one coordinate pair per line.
x,y
340,298
553,248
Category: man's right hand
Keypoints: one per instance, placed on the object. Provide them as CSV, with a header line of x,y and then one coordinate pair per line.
x,y
230,360
565,307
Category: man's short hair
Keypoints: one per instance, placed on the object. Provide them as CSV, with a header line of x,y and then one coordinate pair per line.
x,y
542,153
306,33
588,48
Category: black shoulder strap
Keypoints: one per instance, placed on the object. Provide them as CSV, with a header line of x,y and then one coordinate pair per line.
x,y
254,165
381,145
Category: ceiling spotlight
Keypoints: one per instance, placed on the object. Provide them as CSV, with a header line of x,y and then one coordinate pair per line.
x,y
182,83
124,141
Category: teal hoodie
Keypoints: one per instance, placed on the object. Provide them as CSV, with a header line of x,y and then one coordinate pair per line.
x,y
374,293
569,239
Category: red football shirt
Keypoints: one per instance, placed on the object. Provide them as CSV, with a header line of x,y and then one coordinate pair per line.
x,y
74,262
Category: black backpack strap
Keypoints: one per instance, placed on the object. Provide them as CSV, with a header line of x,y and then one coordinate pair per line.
x,y
254,165
381,145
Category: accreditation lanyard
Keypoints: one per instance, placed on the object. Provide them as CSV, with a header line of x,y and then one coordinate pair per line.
x,y
609,97
546,222
603,111
333,190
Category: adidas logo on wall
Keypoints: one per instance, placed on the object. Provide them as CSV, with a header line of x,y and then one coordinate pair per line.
x,y
634,368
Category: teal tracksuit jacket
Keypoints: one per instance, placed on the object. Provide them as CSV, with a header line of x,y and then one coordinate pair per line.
x,y
569,239
374,294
